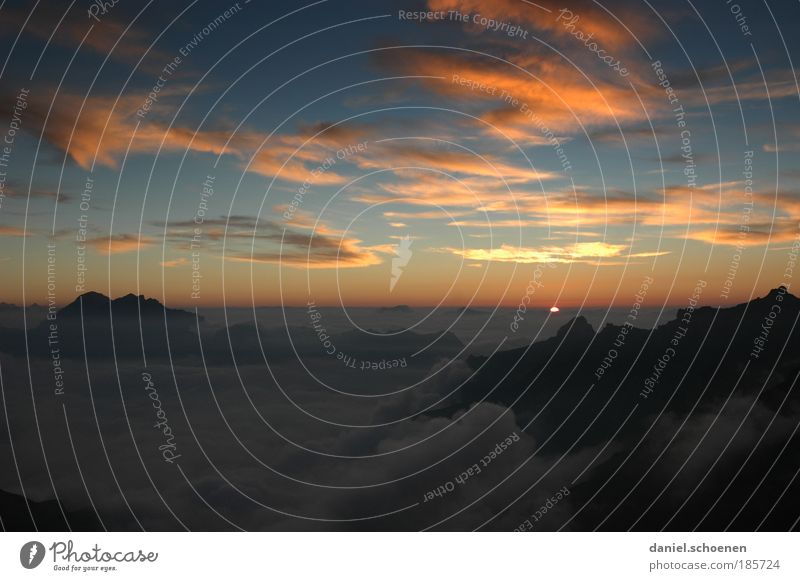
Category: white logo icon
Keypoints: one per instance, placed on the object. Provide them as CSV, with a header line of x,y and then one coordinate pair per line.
x,y
31,554
403,252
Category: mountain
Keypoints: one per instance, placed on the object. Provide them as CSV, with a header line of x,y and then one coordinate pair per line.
x,y
19,514
107,328
468,311
94,305
640,391
403,309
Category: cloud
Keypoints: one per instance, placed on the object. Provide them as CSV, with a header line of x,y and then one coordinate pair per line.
x,y
554,94
712,212
538,98
754,234
587,252
51,23
314,252
480,193
545,15
310,154
174,263
397,154
20,191
302,244
102,128
750,90
119,243
13,231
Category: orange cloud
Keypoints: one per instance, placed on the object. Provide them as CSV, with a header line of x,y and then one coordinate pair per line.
x,y
174,263
403,154
316,252
553,95
544,15
102,130
310,155
429,215
711,213
579,252
47,24
119,243
303,245
12,231
759,234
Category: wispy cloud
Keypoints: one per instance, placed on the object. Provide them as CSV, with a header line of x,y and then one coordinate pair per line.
x,y
13,231
589,252
119,243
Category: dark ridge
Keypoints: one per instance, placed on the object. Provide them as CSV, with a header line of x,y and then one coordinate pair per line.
x,y
396,309
97,305
468,311
44,516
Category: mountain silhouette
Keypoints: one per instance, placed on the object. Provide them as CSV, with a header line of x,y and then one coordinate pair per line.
x,y
94,305
125,328
584,384
19,514
396,309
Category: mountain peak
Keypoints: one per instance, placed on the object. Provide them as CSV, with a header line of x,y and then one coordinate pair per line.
x,y
92,296
576,328
93,305
780,290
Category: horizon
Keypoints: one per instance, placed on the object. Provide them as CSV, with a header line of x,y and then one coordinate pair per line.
x,y
190,306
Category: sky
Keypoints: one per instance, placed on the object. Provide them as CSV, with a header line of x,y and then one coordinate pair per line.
x,y
446,152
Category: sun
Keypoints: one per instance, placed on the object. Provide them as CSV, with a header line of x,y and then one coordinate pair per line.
x,y
554,309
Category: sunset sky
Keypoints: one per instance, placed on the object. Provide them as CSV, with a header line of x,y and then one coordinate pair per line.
x,y
605,142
